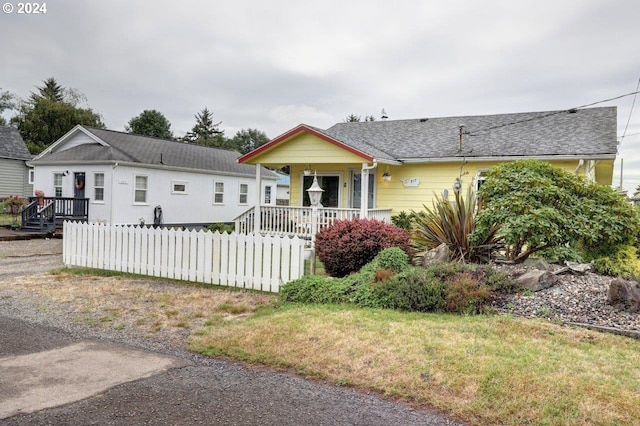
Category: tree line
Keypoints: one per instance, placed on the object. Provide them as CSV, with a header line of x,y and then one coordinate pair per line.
x,y
50,112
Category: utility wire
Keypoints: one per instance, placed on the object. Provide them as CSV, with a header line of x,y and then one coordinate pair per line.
x,y
539,117
630,112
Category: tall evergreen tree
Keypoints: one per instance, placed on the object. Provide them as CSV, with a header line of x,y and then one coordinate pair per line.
x,y
206,132
49,114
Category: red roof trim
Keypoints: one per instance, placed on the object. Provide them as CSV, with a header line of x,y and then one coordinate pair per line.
x,y
299,129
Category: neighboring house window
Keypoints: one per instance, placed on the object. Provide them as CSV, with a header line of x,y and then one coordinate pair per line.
x,y
244,193
218,192
267,195
141,189
481,177
57,184
98,185
32,176
178,187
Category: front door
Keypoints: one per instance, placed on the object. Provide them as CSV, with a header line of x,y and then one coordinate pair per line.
x,y
356,189
78,194
331,187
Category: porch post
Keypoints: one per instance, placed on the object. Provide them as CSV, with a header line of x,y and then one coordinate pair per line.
x,y
256,210
364,191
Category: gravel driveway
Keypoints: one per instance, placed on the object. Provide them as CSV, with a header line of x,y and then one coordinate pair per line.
x,y
208,391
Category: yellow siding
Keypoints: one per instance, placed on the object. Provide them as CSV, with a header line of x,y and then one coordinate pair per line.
x,y
434,178
306,148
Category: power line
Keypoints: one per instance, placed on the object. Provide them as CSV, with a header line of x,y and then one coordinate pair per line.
x,y
630,112
540,117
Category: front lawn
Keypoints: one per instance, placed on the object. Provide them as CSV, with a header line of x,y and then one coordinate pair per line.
x,y
485,370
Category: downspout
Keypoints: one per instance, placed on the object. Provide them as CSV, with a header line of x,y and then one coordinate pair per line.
x,y
580,164
112,192
364,188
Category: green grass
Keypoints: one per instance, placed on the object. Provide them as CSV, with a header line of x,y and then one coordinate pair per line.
x,y
8,219
485,370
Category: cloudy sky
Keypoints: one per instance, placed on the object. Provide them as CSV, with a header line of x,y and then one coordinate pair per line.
x,y
272,65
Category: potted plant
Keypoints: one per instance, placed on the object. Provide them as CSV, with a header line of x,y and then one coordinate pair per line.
x,y
40,196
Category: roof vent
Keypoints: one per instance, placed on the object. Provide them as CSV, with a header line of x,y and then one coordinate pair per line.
x,y
422,120
384,115
572,111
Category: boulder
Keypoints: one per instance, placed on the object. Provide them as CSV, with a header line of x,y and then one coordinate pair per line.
x,y
536,263
624,295
536,280
439,254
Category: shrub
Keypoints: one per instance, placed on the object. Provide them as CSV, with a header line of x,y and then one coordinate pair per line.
x,y
222,227
403,220
412,290
347,245
466,294
315,289
393,258
620,261
542,207
453,223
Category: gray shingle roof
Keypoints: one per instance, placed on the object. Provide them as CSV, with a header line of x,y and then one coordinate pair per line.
x,y
145,150
590,131
11,144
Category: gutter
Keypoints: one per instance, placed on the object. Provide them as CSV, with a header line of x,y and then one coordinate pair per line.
x,y
510,158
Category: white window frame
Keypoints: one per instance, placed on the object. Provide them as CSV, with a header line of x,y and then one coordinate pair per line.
x,y
268,192
481,176
32,176
243,194
96,187
57,186
216,192
183,183
136,189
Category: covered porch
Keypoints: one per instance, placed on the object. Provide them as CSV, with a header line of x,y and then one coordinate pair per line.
x,y
298,221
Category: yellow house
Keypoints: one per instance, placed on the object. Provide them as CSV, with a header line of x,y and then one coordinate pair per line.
x,y
380,168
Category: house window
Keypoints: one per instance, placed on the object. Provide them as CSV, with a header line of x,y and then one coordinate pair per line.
x,y
481,177
218,192
267,195
32,176
98,186
57,184
331,186
244,193
140,195
178,187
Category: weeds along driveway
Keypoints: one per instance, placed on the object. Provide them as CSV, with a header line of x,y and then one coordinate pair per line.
x,y
158,316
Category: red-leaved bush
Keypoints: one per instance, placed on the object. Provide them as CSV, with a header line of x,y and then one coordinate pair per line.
x,y
347,245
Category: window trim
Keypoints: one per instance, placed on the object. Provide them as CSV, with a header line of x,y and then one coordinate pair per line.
x,y
175,182
96,187
240,194
31,176
146,190
56,187
215,192
267,187
481,176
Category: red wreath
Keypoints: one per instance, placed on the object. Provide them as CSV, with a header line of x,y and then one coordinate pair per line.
x,y
79,184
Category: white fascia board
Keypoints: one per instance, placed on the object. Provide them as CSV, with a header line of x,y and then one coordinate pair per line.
x,y
190,170
68,136
510,158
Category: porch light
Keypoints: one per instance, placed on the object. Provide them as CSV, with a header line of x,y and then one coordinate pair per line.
x,y
315,192
386,176
457,185
307,170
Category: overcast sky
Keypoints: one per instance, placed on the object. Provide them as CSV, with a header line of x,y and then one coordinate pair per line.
x,y
274,64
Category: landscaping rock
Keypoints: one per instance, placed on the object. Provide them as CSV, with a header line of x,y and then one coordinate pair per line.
x,y
624,295
439,254
536,280
536,263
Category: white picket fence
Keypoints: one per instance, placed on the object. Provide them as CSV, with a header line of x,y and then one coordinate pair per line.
x,y
236,260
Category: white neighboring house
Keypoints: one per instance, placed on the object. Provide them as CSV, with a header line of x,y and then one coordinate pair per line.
x,y
125,177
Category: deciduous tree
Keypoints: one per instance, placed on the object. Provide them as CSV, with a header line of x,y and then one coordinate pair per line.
x,y
150,123
247,140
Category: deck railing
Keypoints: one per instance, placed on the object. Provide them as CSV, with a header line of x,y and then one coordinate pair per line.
x,y
291,220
